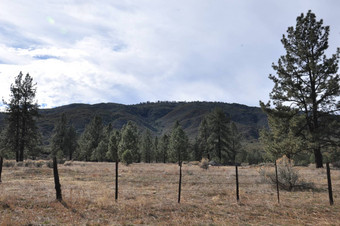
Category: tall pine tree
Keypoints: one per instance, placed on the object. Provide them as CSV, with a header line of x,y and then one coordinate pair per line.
x,y
307,81
22,110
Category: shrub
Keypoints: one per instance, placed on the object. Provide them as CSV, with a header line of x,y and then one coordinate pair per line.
x,y
28,163
49,164
39,163
9,163
288,177
204,164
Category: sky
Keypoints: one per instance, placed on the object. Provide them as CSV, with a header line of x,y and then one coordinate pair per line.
x,y
132,51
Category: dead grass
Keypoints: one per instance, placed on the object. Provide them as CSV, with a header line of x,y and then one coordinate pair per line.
x,y
148,195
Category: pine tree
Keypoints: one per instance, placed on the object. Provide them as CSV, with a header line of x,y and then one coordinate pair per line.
x,y
306,79
129,142
147,147
164,148
90,139
235,144
219,134
112,153
156,149
282,136
178,144
22,110
59,138
202,149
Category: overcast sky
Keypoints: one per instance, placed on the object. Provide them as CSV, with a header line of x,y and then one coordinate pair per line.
x,y
148,50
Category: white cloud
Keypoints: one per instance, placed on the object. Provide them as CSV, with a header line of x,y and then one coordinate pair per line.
x,y
134,51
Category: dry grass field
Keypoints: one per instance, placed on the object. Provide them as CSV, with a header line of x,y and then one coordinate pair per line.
x,y
148,195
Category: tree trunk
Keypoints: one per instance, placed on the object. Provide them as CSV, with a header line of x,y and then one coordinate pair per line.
x,y
318,158
56,179
1,161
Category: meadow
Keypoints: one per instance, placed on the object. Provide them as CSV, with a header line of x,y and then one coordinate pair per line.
x,y
148,195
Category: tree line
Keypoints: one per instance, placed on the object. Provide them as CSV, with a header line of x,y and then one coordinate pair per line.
x,y
218,140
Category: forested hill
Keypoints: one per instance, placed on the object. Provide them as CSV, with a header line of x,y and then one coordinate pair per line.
x,y
158,117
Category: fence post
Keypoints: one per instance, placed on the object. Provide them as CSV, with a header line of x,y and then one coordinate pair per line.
x,y
116,195
56,179
180,182
330,192
1,161
237,186
277,183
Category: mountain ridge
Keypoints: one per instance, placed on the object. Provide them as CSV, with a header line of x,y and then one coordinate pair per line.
x,y
159,116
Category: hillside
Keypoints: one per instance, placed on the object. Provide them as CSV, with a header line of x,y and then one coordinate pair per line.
x,y
158,117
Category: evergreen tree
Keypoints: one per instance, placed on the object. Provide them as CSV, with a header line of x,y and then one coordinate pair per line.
x,y
306,79
71,142
164,148
100,152
147,147
129,142
282,136
58,147
235,144
178,144
22,110
219,134
158,154
202,149
112,153
90,139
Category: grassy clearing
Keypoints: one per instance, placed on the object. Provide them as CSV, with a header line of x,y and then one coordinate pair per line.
x,y
148,195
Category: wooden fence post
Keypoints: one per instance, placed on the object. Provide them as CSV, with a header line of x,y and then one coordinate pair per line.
x,y
56,179
237,187
330,192
1,162
180,182
277,183
116,195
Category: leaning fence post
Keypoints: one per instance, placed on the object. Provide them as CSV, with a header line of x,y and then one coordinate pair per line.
x,y
277,183
330,192
56,179
237,186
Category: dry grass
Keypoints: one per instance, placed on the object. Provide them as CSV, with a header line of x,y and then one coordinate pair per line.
x,y
148,195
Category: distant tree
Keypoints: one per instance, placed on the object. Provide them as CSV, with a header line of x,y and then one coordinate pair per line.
x,y
129,142
202,149
90,139
147,147
178,144
71,142
58,144
219,134
99,154
158,154
235,143
22,110
164,148
112,153
307,81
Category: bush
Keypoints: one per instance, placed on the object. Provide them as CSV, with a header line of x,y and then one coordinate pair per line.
x,y
288,177
204,164
9,163
28,163
49,164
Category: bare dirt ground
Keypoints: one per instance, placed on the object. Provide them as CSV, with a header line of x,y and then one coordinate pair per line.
x,y
148,195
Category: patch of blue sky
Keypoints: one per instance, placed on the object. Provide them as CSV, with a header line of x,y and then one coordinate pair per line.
x,y
45,57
